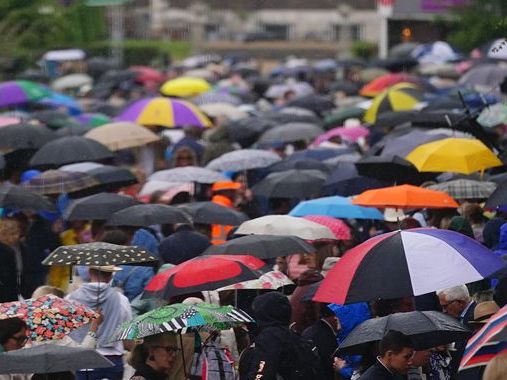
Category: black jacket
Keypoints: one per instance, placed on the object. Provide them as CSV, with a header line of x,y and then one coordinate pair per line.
x,y
324,338
8,274
378,372
461,345
184,244
145,372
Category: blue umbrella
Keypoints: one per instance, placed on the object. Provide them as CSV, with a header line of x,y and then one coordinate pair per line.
x,y
57,100
337,207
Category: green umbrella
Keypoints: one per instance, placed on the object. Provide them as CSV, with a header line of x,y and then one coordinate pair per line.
x,y
337,119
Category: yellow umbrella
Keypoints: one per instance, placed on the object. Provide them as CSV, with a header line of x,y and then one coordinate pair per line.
x,y
457,155
122,135
185,87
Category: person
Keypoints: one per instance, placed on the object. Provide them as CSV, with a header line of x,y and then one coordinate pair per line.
x,y
224,194
184,244
419,365
396,351
13,334
115,307
154,357
496,369
9,288
304,314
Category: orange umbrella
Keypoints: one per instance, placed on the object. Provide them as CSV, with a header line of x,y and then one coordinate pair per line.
x,y
383,82
405,196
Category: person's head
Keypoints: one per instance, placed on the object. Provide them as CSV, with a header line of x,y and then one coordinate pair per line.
x,y
396,350
329,316
496,369
13,333
409,223
454,300
44,290
102,273
184,156
227,189
10,231
461,225
157,351
272,309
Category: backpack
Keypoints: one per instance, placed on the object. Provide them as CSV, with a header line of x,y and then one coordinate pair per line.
x,y
212,363
303,358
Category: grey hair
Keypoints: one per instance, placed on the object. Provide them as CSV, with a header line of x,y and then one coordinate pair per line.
x,y
456,293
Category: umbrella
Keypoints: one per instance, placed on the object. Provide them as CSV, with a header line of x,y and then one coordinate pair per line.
x,y
203,273
298,88
68,150
243,159
223,110
73,129
97,207
321,154
81,167
18,198
466,188
262,246
340,230
113,177
145,215
347,133
188,174
57,182
401,146
98,254
497,199
493,116
337,118
385,81
291,132
164,112
50,358
214,97
152,186
248,130
484,77
9,120
397,98
336,207
19,92
405,196
285,225
290,184
269,281
94,119
57,100
316,103
48,317
300,163
122,135
177,317
71,81
292,115
185,87
24,136
426,329
146,75
213,213
424,260
458,155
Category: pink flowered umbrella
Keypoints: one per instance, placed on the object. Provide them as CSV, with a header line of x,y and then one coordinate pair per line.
x,y
270,280
346,133
48,317
337,226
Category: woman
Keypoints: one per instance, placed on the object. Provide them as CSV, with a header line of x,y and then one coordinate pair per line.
x,y
153,358
13,336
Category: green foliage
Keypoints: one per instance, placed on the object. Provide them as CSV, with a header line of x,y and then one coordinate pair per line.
x,y
364,49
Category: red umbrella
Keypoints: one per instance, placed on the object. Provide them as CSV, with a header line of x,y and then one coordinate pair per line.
x,y
204,273
147,75
385,81
337,226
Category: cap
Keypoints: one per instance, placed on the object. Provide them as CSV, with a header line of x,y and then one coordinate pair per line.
x,y
225,185
484,310
393,215
106,268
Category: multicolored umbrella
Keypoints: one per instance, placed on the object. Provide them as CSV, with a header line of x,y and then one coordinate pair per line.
x,y
243,159
424,260
336,207
382,83
176,317
19,92
185,87
122,135
340,230
272,280
57,182
466,188
48,317
164,112
93,119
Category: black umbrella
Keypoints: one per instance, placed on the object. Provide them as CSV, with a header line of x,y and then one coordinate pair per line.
x,y
51,358
290,132
74,129
247,131
18,198
212,213
291,184
344,180
316,103
24,136
113,177
262,246
52,118
68,150
426,329
97,207
298,163
498,198
285,116
145,215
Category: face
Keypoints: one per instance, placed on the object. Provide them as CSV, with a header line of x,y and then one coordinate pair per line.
x,y
452,308
163,357
399,362
17,341
421,358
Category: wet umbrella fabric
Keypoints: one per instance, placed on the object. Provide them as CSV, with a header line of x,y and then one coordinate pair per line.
x,y
290,184
299,163
466,188
113,177
145,215
19,92
403,145
97,207
243,159
336,207
213,213
394,169
188,174
271,280
316,103
21,136
290,133
117,136
498,199
57,181
18,198
344,180
340,230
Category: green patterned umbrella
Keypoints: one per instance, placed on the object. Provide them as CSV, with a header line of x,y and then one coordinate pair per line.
x,y
178,316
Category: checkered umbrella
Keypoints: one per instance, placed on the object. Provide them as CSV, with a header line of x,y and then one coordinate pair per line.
x,y
57,181
466,188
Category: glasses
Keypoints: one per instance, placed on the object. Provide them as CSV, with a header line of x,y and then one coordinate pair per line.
x,y
169,349
445,306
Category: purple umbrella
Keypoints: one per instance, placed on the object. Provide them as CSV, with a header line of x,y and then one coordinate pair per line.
x,y
20,92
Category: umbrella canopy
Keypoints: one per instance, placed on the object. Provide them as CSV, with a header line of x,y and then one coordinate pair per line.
x,y
337,118
493,116
285,225
97,207
164,112
145,215
243,159
290,184
71,81
290,132
185,87
346,133
405,196
397,98
18,198
424,260
262,246
484,77
188,174
122,135
497,199
300,163
24,136
426,329
340,230
316,103
458,155
213,213
93,119
50,358
57,182
146,75
177,317
98,254
48,317
19,92
344,180
272,280
336,207
385,81
401,146
466,188
223,110
203,273
214,97
112,177
247,131
68,150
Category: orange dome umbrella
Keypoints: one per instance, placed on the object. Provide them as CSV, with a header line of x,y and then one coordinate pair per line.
x,y
405,196
385,81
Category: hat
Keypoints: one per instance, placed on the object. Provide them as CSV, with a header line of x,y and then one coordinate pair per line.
x,y
394,215
225,185
484,310
106,268
329,263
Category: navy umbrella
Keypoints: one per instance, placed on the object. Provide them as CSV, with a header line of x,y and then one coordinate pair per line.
x,y
344,180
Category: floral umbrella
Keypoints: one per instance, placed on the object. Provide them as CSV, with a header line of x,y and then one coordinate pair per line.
x,y
48,317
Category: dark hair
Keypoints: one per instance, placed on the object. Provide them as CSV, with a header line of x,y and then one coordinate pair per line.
x,y
115,237
394,341
9,327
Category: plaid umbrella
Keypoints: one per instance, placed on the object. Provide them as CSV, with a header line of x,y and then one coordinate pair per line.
x,y
57,181
243,159
216,97
466,188
48,317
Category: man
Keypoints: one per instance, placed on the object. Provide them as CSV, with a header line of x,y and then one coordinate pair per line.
x,y
396,351
99,294
224,194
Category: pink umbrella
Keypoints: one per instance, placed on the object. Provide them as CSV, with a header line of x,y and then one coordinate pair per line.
x,y
347,133
7,120
337,226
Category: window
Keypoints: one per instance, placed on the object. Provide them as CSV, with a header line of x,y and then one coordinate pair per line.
x,y
352,32
276,31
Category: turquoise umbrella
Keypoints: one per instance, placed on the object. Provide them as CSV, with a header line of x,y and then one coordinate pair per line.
x,y
337,207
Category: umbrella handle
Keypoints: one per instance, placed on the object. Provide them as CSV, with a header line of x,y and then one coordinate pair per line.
x,y
183,356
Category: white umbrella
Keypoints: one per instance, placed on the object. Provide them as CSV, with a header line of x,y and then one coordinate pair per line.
x,y
71,81
285,225
227,110
188,174
82,167
243,159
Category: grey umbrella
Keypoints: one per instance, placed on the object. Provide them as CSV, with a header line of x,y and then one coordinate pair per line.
x,y
403,145
291,184
188,174
50,358
145,215
243,159
97,207
484,77
212,213
290,132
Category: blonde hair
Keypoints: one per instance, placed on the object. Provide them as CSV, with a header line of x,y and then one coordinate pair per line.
x,y
44,290
496,368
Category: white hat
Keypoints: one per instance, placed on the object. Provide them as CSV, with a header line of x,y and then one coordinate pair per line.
x,y
106,268
394,215
352,122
